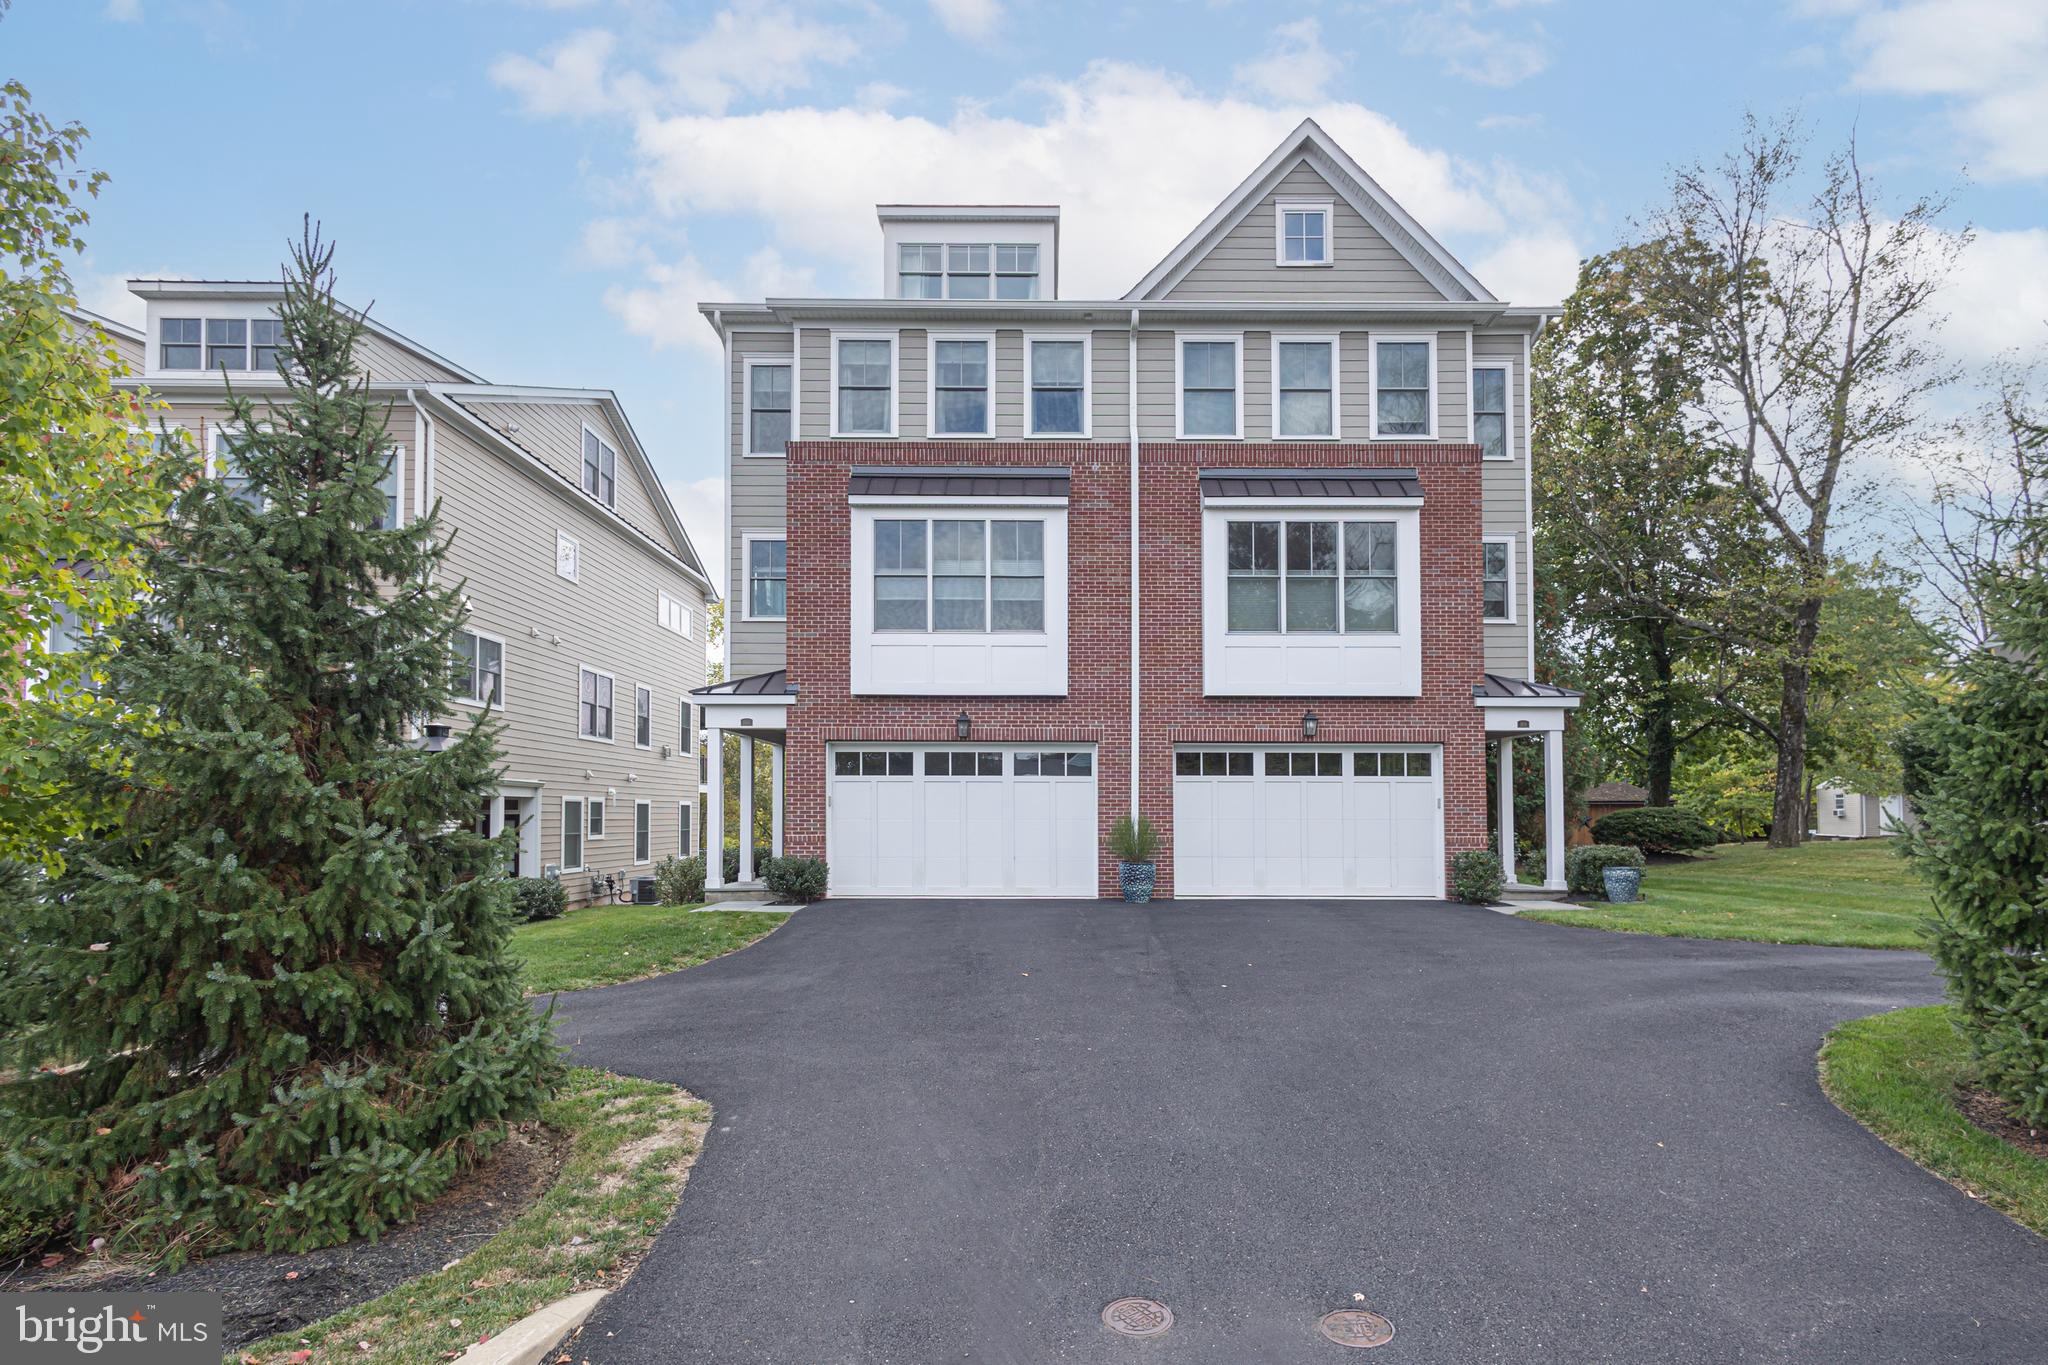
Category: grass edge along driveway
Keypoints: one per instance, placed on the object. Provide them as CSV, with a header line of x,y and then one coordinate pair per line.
x,y
1850,893
1897,1074
603,945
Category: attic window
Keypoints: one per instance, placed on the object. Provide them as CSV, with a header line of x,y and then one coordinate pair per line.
x,y
600,468
967,270
1301,234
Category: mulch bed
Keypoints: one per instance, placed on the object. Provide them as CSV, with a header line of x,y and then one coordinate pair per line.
x,y
1994,1116
257,1298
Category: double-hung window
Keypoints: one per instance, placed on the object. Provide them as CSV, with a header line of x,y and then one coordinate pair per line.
x,y
1497,579
864,386
572,833
1301,234
1016,271
178,347
683,728
684,822
479,668
959,397
227,343
643,718
600,468
1311,577
594,704
921,270
266,340
768,409
1059,385
767,578
1211,374
229,468
394,466
643,831
1490,411
967,270
1305,386
1404,392
597,817
980,575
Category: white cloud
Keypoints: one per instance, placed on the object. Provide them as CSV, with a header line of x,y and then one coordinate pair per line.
x,y
1997,298
973,20
701,505
1535,267
106,293
1474,40
752,49
124,11
1295,65
1986,56
663,307
1117,136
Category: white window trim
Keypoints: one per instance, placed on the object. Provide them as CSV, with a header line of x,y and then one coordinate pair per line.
x,y
1180,343
895,383
747,539
582,833
504,654
1507,397
398,475
747,451
642,690
595,806
1336,384
563,538
1513,601
686,828
612,738
1282,208
613,505
1372,384
663,600
931,387
638,806
1087,432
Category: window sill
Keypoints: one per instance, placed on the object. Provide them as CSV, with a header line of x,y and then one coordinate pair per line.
x,y
1430,439
764,620
1497,621
764,455
1203,436
596,739
1291,436
1306,265
472,704
1057,436
863,436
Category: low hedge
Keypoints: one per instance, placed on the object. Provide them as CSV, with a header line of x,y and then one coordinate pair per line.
x,y
538,898
1583,866
1656,829
798,879
679,881
1476,876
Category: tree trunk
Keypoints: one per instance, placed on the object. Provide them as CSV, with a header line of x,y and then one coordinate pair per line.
x,y
1788,797
1660,743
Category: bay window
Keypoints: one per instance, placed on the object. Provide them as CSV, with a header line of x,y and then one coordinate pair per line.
x,y
1311,577
984,575
1404,391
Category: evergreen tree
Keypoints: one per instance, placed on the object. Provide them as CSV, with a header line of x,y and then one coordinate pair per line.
x,y
1983,842
282,975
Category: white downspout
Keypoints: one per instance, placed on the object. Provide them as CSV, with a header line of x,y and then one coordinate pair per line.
x,y
1131,410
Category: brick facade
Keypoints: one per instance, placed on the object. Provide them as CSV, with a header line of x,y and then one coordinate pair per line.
x,y
1096,708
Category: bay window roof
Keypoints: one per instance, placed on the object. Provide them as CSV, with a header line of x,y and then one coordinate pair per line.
x,y
929,482
1353,484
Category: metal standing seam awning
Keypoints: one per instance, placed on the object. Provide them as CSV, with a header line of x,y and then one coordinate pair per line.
x,y
924,481
1353,485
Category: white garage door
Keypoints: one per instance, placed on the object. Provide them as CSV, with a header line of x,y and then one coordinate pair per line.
x,y
964,820
1308,822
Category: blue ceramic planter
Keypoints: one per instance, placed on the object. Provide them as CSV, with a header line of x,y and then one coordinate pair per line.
x,y
1137,880
1624,884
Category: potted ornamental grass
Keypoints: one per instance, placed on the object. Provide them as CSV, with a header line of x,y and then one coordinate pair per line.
x,y
1135,844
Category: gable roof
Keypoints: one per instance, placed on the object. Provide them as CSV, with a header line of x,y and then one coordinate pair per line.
x,y
271,289
1309,143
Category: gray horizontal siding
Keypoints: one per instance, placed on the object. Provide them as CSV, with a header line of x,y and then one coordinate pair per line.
x,y
1504,505
1110,374
758,489
1364,264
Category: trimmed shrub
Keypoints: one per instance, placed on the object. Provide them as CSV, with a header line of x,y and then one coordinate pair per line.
x,y
1476,876
1655,829
537,898
799,879
732,861
679,881
1583,866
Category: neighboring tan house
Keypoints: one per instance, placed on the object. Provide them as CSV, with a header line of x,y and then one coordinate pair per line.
x,y
991,594
586,600
1839,813
1603,800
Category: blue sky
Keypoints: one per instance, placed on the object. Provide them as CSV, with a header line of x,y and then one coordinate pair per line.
x,y
543,189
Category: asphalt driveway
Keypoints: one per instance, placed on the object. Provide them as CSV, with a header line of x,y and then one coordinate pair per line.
x,y
953,1131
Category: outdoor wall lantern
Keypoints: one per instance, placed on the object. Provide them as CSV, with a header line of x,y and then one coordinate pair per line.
x,y
1308,726
962,726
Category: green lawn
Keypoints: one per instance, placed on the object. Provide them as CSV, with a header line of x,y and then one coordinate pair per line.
x,y
1852,893
604,944
1896,1074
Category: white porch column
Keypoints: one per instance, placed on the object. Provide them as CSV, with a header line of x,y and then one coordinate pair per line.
x,y
714,815
1506,802
775,801
746,808
496,825
1553,809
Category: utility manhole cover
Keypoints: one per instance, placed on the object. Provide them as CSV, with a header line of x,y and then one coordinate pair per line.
x,y
1137,1317
1356,1327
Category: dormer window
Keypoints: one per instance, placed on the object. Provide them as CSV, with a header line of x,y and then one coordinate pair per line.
x,y
227,343
1302,234
219,343
967,270
180,344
